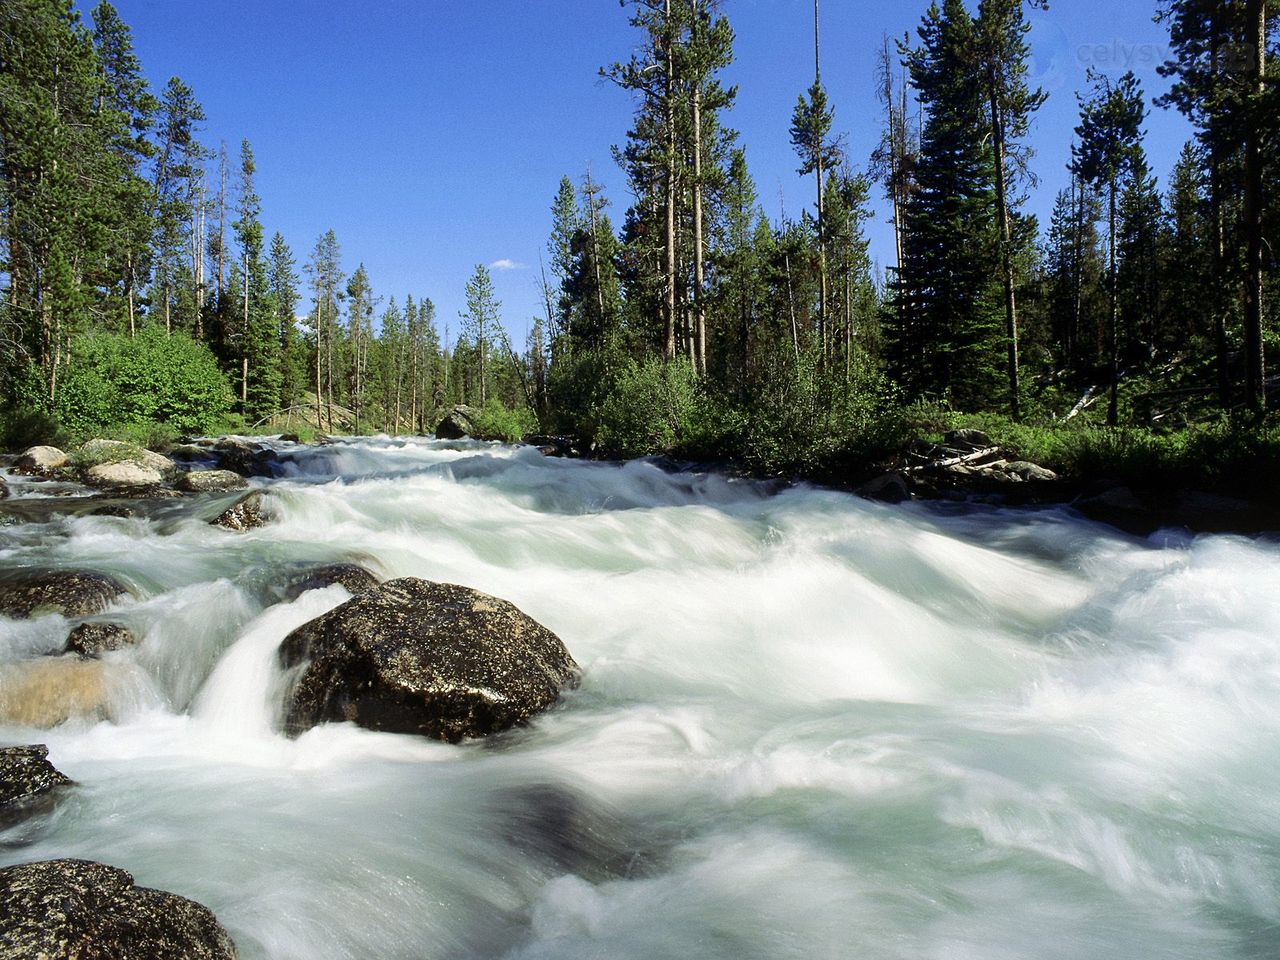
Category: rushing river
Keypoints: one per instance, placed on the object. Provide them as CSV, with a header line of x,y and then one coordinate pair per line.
x,y
809,726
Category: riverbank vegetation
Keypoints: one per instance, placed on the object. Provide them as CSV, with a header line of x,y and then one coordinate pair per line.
x,y
142,299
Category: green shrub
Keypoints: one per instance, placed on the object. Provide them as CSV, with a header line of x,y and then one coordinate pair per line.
x,y
134,383
497,422
652,408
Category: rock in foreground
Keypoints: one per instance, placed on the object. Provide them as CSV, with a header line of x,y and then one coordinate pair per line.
x,y
435,659
80,910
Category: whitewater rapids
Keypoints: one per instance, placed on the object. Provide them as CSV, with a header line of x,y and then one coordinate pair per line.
x,y
809,725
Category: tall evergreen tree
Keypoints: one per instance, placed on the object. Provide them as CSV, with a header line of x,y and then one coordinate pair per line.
x,y
1003,54
1110,149
480,320
947,337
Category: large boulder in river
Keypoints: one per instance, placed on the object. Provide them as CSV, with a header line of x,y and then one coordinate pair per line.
x,y
72,593
82,910
125,473
436,659
27,780
41,461
98,452
458,423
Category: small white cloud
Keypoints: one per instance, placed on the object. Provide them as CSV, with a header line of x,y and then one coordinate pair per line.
x,y
505,264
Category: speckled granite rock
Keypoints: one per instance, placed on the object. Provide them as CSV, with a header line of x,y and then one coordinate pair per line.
x,y
355,578
95,639
81,910
246,513
26,778
73,593
435,659
210,481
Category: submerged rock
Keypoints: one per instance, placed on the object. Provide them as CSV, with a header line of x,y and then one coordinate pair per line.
x,y
413,656
94,639
458,423
82,910
211,481
72,593
889,487
247,513
4,489
41,461
44,693
355,578
27,779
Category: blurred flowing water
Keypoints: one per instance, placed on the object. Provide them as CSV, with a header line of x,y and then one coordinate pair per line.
x,y
809,726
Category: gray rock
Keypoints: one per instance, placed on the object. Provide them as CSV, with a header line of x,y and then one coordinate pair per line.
x,y
1031,472
355,578
890,487
94,639
247,513
211,481
73,593
248,460
41,461
123,473
4,489
436,659
82,910
27,778
458,423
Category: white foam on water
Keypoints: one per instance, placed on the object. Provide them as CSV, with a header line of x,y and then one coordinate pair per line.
x,y
809,726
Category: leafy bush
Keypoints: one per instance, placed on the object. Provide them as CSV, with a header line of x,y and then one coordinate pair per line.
x,y
652,408
134,383
494,421
817,423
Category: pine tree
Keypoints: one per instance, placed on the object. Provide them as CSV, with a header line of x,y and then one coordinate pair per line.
x,y
177,170
282,281
479,322
1110,149
652,157
1190,253
128,110
61,193
360,306
811,123
1002,63
947,337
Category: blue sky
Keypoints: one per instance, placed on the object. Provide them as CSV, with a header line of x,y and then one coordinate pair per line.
x,y
431,134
